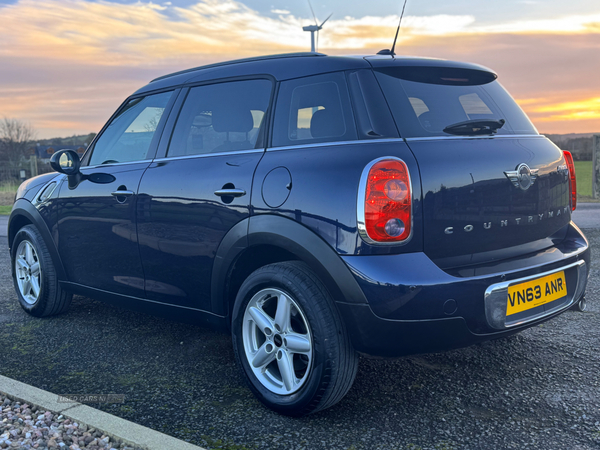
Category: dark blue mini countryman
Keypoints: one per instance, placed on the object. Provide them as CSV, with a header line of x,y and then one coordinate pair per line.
x,y
317,207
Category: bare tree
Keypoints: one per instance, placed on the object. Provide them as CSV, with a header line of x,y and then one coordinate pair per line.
x,y
15,139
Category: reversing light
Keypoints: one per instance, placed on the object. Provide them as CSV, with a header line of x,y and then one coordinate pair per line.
x,y
385,202
396,190
572,178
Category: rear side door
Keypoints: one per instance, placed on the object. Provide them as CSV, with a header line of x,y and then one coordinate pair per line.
x,y
199,186
96,221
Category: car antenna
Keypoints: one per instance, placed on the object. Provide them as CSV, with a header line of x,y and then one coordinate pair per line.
x,y
391,52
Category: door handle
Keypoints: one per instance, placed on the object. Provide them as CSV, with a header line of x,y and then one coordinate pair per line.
x,y
230,193
122,193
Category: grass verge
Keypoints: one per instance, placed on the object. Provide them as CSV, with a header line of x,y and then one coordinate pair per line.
x,y
583,171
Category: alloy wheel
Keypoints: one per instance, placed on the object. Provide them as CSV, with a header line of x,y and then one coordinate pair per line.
x,y
277,341
28,271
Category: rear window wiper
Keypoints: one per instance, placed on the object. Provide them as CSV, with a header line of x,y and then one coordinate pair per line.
x,y
475,127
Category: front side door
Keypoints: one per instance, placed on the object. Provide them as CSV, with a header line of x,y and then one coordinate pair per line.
x,y
97,236
190,198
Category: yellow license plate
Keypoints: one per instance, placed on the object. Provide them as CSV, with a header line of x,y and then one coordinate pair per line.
x,y
524,296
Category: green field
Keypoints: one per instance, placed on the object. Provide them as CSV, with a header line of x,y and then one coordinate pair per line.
x,y
7,195
583,171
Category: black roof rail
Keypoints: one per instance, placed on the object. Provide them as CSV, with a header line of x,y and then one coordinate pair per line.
x,y
237,61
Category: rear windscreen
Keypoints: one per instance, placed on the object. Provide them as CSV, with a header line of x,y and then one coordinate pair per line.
x,y
426,100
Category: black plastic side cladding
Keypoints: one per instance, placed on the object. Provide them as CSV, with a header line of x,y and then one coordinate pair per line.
x,y
232,245
311,249
277,231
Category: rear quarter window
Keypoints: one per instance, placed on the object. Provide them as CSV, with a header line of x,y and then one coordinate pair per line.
x,y
313,110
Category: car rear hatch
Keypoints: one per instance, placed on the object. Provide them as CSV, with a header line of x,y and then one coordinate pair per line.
x,y
493,188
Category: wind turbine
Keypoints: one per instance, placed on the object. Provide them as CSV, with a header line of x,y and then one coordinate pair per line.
x,y
316,27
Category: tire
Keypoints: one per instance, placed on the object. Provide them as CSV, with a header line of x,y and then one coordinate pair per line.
x,y
34,275
290,342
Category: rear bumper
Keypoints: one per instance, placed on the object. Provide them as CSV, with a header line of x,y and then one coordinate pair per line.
x,y
374,336
415,307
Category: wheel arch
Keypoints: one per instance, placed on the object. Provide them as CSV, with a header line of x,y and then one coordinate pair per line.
x,y
24,213
267,239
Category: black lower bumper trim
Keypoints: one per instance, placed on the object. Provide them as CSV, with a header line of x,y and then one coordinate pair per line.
x,y
374,336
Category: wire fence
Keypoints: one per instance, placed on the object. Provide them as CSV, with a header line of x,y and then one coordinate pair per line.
x,y
11,173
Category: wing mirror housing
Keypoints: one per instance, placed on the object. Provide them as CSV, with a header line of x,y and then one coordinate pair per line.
x,y
68,162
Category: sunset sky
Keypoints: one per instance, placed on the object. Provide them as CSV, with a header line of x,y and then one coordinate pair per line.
x,y
66,65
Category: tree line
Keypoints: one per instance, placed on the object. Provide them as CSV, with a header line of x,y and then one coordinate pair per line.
x,y
580,145
18,139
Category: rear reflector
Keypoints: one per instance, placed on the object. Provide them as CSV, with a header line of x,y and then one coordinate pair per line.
x,y
385,202
573,180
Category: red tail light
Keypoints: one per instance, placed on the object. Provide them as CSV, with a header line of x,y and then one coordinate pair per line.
x,y
571,166
385,211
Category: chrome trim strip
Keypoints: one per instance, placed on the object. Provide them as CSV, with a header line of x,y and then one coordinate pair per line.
x,y
122,193
504,136
496,297
372,141
360,205
50,187
333,143
207,155
230,193
116,164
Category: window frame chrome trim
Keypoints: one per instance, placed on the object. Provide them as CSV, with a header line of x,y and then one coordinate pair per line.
x,y
360,205
454,138
116,164
333,143
208,155
400,139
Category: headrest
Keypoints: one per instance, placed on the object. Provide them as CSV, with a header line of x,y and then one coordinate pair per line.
x,y
232,120
325,123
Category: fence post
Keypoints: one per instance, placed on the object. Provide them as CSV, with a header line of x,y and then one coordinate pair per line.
x,y
33,165
596,167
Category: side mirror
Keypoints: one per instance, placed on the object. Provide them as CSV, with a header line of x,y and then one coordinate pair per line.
x,y
66,161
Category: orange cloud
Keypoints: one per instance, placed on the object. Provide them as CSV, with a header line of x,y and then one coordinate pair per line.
x,y
66,65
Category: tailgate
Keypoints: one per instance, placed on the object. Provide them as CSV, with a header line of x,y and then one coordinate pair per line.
x,y
475,210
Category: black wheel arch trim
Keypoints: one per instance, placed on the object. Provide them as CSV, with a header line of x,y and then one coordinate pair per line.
x,y
23,208
289,235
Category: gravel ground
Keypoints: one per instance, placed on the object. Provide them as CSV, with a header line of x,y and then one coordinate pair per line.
x,y
539,389
26,427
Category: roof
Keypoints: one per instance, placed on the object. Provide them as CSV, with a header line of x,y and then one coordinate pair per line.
x,y
243,60
292,65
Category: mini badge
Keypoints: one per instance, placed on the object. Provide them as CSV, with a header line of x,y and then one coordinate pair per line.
x,y
523,177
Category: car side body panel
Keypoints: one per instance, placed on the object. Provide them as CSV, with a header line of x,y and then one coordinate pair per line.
x,y
324,191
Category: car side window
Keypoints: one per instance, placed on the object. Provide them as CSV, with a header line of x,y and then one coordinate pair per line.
x,y
313,109
221,117
128,137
